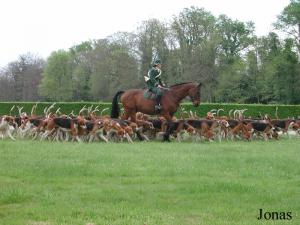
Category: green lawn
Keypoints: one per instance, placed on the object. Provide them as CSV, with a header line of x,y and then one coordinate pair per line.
x,y
43,183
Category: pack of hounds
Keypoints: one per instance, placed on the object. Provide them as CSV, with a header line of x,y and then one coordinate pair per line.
x,y
87,126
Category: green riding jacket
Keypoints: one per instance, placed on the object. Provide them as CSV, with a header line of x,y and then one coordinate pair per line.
x,y
153,80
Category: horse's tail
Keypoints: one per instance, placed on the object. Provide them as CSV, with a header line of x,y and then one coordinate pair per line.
x,y
115,111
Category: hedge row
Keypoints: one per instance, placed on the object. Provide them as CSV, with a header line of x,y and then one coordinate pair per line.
x,y
253,110
65,107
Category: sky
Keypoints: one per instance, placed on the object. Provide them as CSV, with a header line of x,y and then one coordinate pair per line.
x,y
43,26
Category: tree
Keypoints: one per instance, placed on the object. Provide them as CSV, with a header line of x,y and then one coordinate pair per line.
x,y
195,32
56,84
289,21
24,75
235,38
232,84
267,50
287,83
152,43
81,70
114,69
6,87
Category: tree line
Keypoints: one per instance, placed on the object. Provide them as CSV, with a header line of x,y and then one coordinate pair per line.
x,y
225,55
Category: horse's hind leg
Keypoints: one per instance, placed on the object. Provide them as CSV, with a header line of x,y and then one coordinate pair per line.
x,y
129,114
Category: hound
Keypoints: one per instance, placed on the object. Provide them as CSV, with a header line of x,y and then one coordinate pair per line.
x,y
6,127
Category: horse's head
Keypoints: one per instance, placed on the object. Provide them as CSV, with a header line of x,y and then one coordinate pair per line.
x,y
194,94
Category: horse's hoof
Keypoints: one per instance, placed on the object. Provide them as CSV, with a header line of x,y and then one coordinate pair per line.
x,y
166,139
157,109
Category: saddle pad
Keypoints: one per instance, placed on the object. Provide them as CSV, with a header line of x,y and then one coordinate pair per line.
x,y
149,95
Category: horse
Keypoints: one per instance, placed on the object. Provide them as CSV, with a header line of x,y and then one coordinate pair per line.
x,y
133,101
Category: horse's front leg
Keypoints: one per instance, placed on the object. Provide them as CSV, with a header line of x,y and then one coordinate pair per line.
x,y
167,134
167,116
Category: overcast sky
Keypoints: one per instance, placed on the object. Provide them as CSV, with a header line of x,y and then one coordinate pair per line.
x,y
43,26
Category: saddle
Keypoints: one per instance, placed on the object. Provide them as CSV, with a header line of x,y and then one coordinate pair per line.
x,y
149,94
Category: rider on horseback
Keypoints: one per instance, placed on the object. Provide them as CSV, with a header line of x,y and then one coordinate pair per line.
x,y
154,82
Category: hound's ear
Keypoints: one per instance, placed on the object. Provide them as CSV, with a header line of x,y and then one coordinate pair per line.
x,y
200,84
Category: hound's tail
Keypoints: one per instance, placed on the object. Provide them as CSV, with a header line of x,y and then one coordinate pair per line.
x,y
115,111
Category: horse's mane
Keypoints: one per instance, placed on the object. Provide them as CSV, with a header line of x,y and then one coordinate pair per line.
x,y
174,85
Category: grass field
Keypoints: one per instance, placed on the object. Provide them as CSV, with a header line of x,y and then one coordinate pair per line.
x,y
45,183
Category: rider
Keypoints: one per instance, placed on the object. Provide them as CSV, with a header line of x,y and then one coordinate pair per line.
x,y
154,82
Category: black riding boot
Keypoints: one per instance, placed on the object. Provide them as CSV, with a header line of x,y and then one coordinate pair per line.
x,y
158,106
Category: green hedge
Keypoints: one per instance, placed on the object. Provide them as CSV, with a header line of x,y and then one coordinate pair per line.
x,y
65,107
253,110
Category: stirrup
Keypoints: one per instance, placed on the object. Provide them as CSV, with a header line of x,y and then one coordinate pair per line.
x,y
157,108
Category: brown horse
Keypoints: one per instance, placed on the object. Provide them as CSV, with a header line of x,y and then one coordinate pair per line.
x,y
134,101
